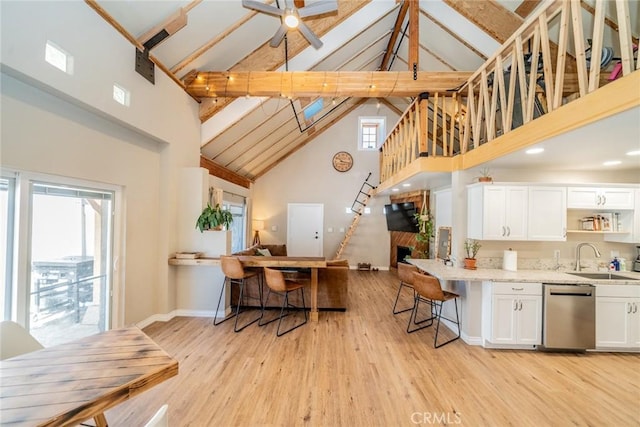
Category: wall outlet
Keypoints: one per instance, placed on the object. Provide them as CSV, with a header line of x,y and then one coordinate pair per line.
x,y
330,230
556,255
615,254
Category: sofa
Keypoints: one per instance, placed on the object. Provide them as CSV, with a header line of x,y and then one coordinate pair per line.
x,y
333,282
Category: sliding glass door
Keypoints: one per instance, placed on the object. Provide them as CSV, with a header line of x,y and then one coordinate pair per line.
x,y
70,254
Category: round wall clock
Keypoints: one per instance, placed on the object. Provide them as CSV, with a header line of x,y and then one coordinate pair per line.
x,y
342,161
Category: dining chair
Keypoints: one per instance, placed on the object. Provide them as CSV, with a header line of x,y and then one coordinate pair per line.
x,y
277,284
16,340
160,419
238,276
405,274
428,289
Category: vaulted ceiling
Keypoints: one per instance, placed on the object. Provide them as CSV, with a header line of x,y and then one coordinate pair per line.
x,y
246,135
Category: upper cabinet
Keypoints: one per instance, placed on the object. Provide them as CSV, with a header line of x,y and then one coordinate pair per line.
x,y
497,212
547,219
600,198
630,222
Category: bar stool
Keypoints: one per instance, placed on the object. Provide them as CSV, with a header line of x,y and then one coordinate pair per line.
x,y
237,275
428,288
405,274
278,285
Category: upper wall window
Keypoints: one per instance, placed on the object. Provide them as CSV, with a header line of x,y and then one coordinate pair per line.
x,y
57,57
371,131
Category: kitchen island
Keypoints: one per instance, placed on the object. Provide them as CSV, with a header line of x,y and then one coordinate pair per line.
x,y
616,298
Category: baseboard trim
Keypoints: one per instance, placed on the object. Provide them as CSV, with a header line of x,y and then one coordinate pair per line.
x,y
179,313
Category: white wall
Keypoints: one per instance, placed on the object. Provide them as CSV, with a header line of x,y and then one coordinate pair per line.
x,y
308,176
69,125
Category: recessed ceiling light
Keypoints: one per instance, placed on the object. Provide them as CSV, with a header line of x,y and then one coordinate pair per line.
x,y
612,163
634,153
394,189
406,184
535,150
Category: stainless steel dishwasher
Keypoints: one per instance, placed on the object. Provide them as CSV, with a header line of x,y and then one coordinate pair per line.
x,y
569,317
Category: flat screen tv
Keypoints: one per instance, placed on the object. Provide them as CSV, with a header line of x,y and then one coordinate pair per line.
x,y
401,217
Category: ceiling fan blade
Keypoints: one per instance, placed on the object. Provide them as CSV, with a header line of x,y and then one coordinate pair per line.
x,y
262,7
318,8
278,36
309,35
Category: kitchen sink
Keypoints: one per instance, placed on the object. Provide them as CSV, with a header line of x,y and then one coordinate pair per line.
x,y
602,276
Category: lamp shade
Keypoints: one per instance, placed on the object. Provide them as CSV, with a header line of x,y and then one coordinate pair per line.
x,y
258,224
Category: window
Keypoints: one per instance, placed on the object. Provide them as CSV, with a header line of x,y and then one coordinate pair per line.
x,y
57,57
371,131
7,203
121,95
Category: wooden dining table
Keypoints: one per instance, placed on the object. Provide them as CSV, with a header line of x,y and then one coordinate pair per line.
x,y
313,263
73,382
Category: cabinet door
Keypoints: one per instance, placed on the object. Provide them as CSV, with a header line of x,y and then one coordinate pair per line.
x,y
617,198
516,213
583,198
493,213
529,320
503,319
633,329
612,321
547,219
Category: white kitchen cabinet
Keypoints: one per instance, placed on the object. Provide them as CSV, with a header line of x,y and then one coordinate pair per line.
x,y
497,212
512,314
630,223
600,198
547,217
618,317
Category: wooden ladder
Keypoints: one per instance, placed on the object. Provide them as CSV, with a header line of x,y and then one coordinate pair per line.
x,y
357,207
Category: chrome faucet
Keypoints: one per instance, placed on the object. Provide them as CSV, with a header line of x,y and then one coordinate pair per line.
x,y
580,245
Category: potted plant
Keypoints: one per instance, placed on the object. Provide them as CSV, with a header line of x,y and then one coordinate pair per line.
x,y
214,218
485,175
425,233
471,246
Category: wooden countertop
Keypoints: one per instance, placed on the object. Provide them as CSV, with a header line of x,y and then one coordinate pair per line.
x,y
194,261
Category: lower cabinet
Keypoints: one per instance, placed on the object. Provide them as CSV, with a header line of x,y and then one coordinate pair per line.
x,y
512,313
618,317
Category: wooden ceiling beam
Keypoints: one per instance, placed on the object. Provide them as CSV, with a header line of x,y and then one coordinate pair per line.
x,y
526,7
490,16
360,84
402,13
224,173
268,58
414,34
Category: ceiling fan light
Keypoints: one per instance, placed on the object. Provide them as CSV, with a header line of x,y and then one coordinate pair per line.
x,y
291,20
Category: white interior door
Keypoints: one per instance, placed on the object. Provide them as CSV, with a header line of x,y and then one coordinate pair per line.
x,y
304,229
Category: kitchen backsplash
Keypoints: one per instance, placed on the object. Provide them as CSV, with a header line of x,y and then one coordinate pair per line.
x,y
550,264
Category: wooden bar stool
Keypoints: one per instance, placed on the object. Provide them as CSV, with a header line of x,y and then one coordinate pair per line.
x,y
405,274
428,288
278,285
237,275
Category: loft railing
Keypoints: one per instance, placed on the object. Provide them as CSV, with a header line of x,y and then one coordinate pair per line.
x,y
546,64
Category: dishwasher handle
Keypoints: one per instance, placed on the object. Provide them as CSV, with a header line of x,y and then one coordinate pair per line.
x,y
577,291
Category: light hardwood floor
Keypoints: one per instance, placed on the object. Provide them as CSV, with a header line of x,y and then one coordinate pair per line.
x,y
360,368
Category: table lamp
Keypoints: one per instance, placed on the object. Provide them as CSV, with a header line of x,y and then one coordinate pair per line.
x,y
257,226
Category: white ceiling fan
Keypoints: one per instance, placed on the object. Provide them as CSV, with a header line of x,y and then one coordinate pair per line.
x,y
292,18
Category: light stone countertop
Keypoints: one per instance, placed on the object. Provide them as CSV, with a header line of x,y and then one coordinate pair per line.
x,y
438,269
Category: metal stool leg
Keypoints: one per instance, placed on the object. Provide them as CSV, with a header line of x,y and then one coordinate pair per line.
x,y
398,297
435,339
224,319
414,315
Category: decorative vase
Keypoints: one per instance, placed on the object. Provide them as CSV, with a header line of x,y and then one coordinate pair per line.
x,y
470,263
